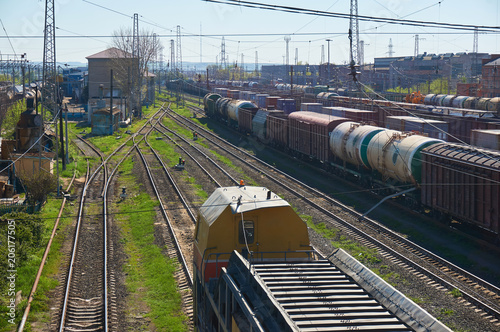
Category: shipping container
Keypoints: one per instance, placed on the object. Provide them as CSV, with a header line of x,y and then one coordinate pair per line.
x,y
463,182
309,133
489,139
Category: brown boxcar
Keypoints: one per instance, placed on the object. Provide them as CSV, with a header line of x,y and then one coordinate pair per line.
x,y
277,129
245,117
463,182
308,133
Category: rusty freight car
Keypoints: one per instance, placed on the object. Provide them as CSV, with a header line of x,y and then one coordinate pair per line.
x,y
277,129
463,182
308,133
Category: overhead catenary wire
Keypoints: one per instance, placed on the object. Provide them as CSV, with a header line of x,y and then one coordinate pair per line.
x,y
299,10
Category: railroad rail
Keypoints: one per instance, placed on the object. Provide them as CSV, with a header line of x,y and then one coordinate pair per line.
x,y
85,305
174,248
474,289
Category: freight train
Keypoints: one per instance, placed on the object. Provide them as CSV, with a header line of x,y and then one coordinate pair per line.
x,y
452,181
255,270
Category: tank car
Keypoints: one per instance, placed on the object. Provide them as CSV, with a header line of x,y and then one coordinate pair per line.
x,y
397,155
209,102
349,141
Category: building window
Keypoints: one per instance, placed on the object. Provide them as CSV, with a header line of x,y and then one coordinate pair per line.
x,y
248,227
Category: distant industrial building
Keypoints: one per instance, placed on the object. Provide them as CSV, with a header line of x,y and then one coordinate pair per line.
x,y
490,81
302,74
413,70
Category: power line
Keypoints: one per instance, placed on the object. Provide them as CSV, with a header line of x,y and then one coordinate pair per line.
x,y
298,10
248,34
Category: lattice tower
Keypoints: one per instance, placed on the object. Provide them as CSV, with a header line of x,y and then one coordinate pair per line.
x,y
354,27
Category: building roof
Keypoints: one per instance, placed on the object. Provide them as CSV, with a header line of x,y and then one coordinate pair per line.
x,y
495,62
240,199
110,53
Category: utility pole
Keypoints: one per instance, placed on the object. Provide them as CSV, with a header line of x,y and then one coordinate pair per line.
x,y
111,100
136,79
296,56
354,27
475,50
257,63
416,45
242,68
179,49
391,50
328,79
287,40
49,76
476,41
322,54
361,53
173,67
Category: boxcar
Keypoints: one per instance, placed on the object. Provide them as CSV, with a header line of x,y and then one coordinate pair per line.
x,y
245,117
277,129
308,133
463,182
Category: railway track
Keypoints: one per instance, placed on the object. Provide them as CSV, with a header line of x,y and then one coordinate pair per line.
x,y
88,301
178,217
293,274
434,269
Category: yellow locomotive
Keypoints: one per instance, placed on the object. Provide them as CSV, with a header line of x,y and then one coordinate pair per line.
x,y
254,270
251,220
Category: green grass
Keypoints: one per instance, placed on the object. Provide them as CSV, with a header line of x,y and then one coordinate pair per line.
x,y
338,240
455,292
27,270
150,275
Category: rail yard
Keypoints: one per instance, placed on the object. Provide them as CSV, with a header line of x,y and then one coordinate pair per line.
x,y
207,163
144,192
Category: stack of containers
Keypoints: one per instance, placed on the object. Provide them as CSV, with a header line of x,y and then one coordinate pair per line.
x,y
287,105
311,107
261,99
433,128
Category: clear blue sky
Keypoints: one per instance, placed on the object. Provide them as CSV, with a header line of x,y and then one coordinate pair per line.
x,y
80,18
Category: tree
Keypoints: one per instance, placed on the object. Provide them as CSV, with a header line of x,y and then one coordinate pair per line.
x,y
38,185
131,71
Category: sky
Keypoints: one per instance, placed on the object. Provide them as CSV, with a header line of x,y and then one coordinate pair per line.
x,y
84,27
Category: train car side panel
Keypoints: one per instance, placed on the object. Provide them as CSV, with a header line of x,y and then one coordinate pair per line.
x,y
277,129
470,175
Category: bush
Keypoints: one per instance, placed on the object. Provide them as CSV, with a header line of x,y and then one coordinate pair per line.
x,y
38,185
27,234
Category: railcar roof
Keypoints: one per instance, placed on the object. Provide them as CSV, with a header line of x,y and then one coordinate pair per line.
x,y
316,118
252,198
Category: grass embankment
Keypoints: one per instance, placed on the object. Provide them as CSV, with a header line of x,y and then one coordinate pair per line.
x,y
29,253
149,274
